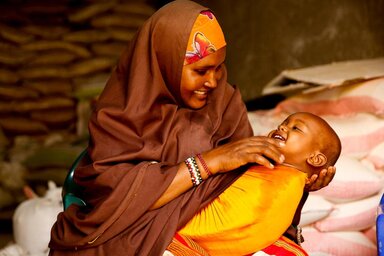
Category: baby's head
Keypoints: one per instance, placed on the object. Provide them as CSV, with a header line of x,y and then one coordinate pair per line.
x,y
310,142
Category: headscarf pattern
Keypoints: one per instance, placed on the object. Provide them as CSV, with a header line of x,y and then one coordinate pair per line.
x,y
205,38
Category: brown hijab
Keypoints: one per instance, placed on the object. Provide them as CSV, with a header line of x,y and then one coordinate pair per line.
x,y
139,119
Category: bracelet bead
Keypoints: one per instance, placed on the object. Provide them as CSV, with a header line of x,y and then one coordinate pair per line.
x,y
298,235
194,171
204,164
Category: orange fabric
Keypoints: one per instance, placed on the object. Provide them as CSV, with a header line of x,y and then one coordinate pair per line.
x,y
205,38
249,215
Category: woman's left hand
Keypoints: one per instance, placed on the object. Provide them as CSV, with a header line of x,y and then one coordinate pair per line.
x,y
317,182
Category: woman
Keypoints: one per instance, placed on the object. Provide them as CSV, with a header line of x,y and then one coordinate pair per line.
x,y
166,102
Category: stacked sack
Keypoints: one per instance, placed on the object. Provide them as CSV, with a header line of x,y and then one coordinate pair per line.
x,y
55,55
55,59
340,218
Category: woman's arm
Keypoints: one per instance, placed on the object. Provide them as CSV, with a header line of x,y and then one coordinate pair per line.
x,y
225,158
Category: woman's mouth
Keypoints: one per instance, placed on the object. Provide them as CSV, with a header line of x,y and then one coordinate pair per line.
x,y
201,92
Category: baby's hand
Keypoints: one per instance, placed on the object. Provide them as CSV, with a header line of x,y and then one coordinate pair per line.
x,y
317,182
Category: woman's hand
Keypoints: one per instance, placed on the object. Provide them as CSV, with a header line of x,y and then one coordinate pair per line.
x,y
225,158
322,180
258,149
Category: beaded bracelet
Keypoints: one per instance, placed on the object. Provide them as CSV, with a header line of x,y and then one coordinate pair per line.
x,y
204,164
298,235
194,171
297,238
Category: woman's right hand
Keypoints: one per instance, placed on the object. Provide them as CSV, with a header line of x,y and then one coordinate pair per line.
x,y
225,158
258,149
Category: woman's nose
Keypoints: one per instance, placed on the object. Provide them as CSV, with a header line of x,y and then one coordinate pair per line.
x,y
212,82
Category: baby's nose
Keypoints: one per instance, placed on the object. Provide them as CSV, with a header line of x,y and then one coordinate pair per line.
x,y
282,128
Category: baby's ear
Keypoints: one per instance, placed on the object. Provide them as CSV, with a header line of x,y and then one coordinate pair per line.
x,y
317,159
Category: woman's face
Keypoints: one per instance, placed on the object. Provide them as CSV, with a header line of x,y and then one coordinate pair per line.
x,y
200,78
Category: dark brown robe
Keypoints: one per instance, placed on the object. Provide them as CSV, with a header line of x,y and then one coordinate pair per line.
x,y
140,118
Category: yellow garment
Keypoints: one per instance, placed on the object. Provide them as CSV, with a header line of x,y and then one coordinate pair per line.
x,y
249,215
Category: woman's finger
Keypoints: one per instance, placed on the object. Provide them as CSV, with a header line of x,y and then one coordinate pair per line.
x,y
254,150
323,180
310,182
259,159
267,140
268,148
330,174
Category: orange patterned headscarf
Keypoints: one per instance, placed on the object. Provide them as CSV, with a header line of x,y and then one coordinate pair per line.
x,y
206,37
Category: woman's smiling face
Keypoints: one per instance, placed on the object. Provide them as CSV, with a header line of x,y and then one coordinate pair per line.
x,y
198,79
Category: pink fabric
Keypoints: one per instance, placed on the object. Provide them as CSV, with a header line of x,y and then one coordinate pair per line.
x,y
353,181
315,208
377,161
364,142
338,243
353,216
350,190
370,233
342,107
347,100
376,156
353,222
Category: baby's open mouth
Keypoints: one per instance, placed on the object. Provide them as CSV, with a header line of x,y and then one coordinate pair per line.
x,y
277,136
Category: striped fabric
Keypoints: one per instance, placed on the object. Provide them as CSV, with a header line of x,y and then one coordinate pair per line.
x,y
184,246
284,247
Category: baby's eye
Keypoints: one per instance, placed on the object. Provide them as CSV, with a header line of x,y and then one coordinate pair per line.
x,y
296,128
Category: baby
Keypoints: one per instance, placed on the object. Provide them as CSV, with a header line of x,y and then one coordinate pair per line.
x,y
310,143
259,207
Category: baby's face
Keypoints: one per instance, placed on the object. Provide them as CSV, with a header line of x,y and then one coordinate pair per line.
x,y
301,133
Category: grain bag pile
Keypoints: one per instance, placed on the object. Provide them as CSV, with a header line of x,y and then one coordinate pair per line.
x,y
55,58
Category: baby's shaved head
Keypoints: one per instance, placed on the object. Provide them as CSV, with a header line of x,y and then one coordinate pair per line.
x,y
327,140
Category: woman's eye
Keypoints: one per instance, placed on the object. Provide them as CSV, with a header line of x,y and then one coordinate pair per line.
x,y
296,128
201,71
219,67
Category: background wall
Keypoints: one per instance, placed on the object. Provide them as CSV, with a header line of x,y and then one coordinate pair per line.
x,y
267,36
